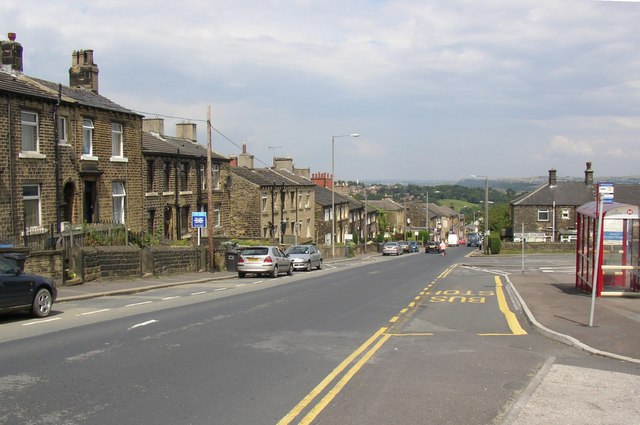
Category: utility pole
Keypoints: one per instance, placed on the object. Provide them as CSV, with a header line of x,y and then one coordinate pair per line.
x,y
212,258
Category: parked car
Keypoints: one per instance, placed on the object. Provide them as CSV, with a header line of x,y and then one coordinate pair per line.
x,y
414,246
24,291
405,246
391,248
264,260
431,247
305,257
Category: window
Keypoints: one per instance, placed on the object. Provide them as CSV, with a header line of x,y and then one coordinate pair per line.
x,y
327,214
299,200
31,202
184,220
264,201
543,215
216,214
150,173
308,199
184,176
167,175
203,177
62,130
87,137
565,214
119,196
216,176
293,199
29,123
117,147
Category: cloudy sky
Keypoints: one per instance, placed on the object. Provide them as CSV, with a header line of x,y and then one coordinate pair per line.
x,y
436,89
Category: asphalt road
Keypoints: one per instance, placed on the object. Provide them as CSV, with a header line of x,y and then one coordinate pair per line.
x,y
406,340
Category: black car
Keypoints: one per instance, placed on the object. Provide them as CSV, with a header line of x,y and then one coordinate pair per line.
x,y
431,247
24,291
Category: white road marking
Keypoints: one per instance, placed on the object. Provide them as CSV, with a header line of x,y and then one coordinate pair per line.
x,y
148,322
169,298
93,312
199,293
220,289
137,304
38,322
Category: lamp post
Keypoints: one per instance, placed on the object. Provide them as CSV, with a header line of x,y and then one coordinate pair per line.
x,y
333,191
427,217
486,212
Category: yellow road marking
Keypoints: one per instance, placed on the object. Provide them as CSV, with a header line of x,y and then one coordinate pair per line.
x,y
329,378
512,320
345,379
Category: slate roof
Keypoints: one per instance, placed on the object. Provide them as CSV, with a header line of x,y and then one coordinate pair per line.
x,y
323,197
569,193
169,146
34,87
267,177
385,205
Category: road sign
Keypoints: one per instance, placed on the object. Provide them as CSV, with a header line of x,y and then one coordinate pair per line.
x,y
605,190
198,219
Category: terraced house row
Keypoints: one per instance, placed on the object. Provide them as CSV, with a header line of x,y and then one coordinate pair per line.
x,y
71,157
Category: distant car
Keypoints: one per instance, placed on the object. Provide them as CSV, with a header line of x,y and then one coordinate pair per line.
x,y
264,260
305,257
414,246
405,246
431,247
24,291
473,239
391,248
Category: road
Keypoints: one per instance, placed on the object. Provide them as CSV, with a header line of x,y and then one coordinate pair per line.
x,y
393,340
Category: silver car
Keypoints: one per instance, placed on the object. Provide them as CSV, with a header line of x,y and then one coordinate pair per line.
x,y
305,257
391,248
264,260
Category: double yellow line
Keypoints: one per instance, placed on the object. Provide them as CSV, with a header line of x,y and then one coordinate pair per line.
x,y
375,342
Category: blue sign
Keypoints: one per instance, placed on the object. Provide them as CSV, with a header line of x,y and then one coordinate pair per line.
x,y
605,190
198,219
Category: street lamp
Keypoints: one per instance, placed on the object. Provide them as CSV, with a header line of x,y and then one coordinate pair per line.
x,y
486,211
427,221
333,192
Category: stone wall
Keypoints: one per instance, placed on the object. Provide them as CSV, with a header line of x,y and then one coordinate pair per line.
x,y
109,262
540,247
172,260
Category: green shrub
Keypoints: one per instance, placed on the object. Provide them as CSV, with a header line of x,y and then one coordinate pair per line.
x,y
495,244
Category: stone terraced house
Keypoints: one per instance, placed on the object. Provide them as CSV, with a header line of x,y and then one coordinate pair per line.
x,y
68,154
176,184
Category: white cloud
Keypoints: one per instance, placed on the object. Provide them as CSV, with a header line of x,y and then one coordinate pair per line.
x,y
426,81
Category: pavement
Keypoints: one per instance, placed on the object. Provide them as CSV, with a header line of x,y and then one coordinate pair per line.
x,y
550,300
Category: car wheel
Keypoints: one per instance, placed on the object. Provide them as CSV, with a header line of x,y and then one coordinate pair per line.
x,y
42,303
290,270
241,274
319,264
274,273
309,265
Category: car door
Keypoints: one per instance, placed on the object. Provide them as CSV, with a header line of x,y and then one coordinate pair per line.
x,y
314,255
283,261
15,290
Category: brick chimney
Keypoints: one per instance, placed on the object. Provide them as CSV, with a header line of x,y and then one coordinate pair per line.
x,y
187,130
153,125
83,72
11,53
553,179
322,180
244,159
588,175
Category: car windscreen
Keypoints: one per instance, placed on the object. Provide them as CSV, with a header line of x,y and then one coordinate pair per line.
x,y
255,251
298,250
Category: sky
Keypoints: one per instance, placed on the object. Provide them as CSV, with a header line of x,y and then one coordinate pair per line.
x,y
437,90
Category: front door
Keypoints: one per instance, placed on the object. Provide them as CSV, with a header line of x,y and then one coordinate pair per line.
x,y
89,198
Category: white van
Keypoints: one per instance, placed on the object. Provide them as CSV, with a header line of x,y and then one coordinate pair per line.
x,y
452,239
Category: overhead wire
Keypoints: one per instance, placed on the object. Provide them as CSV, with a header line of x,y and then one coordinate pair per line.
x,y
199,120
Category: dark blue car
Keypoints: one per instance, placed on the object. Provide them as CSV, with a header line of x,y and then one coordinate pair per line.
x,y
24,291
